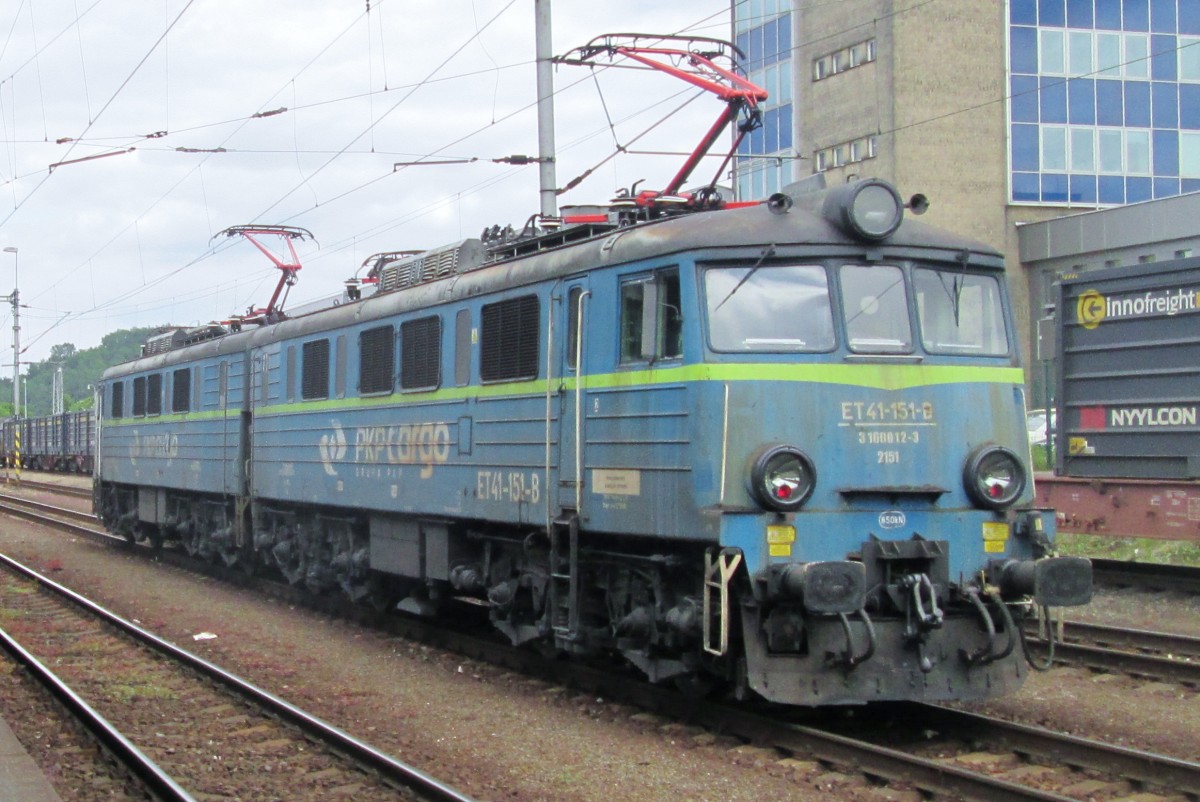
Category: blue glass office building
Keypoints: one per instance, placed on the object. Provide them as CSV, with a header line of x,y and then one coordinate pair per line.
x,y
763,32
1104,100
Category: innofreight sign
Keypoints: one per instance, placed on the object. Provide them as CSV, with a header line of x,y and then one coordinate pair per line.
x,y
1093,308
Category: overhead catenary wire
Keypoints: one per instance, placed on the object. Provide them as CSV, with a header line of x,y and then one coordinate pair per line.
x,y
104,108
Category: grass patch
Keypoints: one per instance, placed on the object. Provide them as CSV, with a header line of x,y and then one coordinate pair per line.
x,y
128,693
1041,458
1139,549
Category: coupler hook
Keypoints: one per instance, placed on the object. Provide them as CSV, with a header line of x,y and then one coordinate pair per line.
x,y
932,619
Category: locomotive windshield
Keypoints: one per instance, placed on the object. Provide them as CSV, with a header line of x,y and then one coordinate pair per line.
x,y
876,309
777,309
788,309
959,313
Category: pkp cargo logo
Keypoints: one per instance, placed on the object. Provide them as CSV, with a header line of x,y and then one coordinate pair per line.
x,y
333,448
892,519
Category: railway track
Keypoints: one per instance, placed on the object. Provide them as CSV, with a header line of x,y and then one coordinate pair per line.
x,y
179,722
1147,576
51,487
57,741
970,756
1161,656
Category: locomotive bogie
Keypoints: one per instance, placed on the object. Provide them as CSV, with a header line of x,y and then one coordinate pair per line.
x,y
740,445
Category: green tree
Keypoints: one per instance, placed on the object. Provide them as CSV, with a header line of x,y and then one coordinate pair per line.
x,y
81,369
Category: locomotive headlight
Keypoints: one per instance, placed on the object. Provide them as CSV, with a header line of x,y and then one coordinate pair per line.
x,y
782,478
994,477
869,209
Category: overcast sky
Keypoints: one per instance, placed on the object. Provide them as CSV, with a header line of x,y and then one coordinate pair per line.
x,y
127,239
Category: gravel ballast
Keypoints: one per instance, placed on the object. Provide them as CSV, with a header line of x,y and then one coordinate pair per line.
x,y
500,736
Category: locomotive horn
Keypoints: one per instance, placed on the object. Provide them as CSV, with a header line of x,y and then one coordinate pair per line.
x,y
918,204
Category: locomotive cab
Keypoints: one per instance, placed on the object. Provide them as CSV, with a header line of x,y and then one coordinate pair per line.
x,y
895,542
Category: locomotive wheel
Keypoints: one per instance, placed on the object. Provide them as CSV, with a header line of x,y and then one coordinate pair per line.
x,y
698,686
381,596
741,682
191,541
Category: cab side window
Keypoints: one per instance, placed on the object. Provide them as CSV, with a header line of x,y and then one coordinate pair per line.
x,y
117,394
314,370
651,317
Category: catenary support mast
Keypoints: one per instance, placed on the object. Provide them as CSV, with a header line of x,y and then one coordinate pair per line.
x,y
547,180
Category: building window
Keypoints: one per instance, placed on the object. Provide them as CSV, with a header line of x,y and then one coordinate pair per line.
x,y
314,370
508,341
1054,148
1083,150
1189,154
1137,152
181,390
376,360
1108,55
1137,56
1189,58
862,53
1183,253
845,59
1111,147
1079,55
844,153
421,353
1050,52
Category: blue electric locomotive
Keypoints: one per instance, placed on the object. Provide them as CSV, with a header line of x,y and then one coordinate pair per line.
x,y
780,445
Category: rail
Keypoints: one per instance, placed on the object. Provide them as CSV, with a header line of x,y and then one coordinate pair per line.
x,y
367,757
